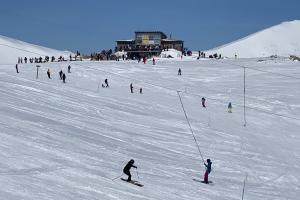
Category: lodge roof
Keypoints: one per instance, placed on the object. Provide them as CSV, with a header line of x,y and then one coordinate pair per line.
x,y
164,36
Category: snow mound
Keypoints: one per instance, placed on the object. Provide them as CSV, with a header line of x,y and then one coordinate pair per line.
x,y
11,49
281,40
120,53
171,53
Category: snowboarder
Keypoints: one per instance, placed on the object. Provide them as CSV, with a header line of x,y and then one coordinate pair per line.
x,y
106,82
179,72
126,169
48,73
203,102
69,69
131,88
208,170
17,68
229,107
64,78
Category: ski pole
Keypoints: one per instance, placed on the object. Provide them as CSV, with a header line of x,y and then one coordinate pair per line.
x,y
137,173
117,177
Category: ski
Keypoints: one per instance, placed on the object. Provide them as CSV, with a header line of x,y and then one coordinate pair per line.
x,y
133,182
201,181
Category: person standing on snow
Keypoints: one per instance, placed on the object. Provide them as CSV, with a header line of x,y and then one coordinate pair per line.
x,y
229,107
179,72
106,82
17,69
127,168
64,78
60,74
131,88
69,69
203,102
207,171
48,73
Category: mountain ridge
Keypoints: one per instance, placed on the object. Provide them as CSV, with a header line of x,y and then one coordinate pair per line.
x,y
264,43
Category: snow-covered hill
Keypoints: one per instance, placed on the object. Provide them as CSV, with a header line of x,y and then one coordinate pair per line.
x,y
68,141
11,49
280,40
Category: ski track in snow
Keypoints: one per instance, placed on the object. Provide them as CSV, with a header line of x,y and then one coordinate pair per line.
x,y
68,141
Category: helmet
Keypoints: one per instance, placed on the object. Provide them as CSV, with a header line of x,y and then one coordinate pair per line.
x,y
131,161
208,160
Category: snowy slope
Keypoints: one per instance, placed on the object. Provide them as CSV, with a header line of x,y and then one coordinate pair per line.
x,y
11,49
68,141
281,40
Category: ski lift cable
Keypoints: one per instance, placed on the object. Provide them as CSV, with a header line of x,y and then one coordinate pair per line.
x,y
255,69
187,119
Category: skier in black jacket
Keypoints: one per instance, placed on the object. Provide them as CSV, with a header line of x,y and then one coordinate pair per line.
x,y
126,169
207,171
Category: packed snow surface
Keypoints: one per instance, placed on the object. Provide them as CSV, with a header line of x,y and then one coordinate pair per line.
x,y
11,49
170,53
68,141
280,40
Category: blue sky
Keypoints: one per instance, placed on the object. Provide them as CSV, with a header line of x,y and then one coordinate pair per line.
x,y
92,25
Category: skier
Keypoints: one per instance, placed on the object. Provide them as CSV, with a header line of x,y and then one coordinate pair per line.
x,y
153,61
106,82
69,69
229,107
48,73
131,88
203,102
64,78
60,74
126,169
179,72
208,170
17,68
141,90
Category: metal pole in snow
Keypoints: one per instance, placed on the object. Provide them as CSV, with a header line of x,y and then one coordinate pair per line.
x,y
245,96
37,71
244,186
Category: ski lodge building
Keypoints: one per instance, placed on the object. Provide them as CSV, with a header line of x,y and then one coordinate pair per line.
x,y
148,43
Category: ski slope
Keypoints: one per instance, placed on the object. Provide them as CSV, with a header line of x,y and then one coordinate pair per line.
x,y
68,141
280,40
11,49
